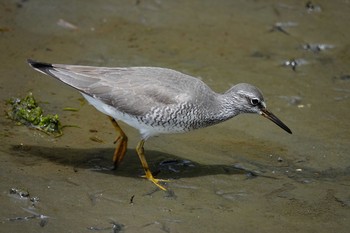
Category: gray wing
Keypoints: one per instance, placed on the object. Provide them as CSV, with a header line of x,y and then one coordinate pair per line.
x,y
133,90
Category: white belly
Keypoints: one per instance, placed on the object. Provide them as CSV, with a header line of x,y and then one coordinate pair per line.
x,y
146,131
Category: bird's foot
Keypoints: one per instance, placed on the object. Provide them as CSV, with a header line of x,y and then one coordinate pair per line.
x,y
155,181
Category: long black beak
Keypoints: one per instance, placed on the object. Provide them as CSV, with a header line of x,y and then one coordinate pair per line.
x,y
274,119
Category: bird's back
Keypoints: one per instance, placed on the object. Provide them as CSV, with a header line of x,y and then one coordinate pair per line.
x,y
132,90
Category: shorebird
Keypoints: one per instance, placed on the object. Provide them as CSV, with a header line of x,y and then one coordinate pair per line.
x,y
156,101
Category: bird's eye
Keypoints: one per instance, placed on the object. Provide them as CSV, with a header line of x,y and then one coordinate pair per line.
x,y
255,101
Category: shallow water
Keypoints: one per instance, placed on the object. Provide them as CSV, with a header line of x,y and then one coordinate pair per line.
x,y
244,175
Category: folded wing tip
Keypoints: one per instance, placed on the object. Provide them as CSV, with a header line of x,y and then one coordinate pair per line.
x,y
39,65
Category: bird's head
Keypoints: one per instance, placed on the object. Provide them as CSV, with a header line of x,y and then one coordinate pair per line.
x,y
249,99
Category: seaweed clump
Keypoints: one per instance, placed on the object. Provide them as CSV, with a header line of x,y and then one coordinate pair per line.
x,y
27,112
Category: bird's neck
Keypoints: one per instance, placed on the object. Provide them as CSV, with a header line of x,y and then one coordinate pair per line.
x,y
222,109
228,105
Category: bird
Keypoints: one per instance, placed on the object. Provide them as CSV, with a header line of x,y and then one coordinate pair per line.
x,y
156,101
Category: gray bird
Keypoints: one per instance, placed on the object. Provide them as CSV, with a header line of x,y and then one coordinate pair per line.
x,y
156,101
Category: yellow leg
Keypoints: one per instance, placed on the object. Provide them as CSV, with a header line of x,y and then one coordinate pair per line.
x,y
121,144
148,173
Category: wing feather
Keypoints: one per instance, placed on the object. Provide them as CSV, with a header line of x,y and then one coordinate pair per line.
x,y
133,90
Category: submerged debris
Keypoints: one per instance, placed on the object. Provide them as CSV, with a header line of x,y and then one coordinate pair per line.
x,y
43,218
19,193
67,25
317,47
71,109
116,227
282,26
294,63
175,165
23,195
96,139
27,112
311,7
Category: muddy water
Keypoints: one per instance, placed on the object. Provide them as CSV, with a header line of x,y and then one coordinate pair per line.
x,y
244,175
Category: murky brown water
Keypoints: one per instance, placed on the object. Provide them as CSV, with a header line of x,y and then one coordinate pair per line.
x,y
245,175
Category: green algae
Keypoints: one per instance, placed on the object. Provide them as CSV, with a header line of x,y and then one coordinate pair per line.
x,y
27,112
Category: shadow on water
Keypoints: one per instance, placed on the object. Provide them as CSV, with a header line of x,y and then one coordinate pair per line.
x,y
169,166
100,160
